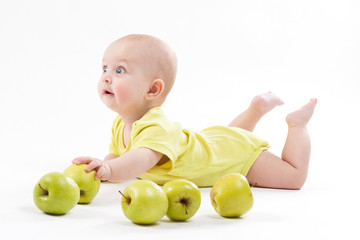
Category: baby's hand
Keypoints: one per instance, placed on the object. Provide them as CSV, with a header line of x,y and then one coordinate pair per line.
x,y
102,169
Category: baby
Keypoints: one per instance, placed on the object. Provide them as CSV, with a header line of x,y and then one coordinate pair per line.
x,y
138,74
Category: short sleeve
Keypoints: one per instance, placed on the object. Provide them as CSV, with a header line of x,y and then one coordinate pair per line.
x,y
161,136
157,138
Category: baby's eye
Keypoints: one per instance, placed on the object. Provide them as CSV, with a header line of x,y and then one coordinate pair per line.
x,y
105,69
120,70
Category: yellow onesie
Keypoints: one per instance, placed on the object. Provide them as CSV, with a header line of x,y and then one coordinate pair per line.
x,y
198,157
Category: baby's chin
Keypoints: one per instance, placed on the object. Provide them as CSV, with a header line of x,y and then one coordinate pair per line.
x,y
108,100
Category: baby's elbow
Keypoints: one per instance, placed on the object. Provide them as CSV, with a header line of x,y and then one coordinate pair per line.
x,y
297,182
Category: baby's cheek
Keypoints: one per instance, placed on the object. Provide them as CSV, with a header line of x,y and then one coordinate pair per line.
x,y
122,92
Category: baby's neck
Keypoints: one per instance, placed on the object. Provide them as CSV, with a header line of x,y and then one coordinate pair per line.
x,y
129,119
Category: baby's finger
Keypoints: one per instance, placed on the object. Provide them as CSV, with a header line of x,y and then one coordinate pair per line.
x,y
99,173
94,164
82,160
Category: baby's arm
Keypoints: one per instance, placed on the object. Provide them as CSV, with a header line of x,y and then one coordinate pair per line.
x,y
110,157
128,166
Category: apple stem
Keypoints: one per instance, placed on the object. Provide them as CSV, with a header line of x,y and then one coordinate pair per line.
x,y
122,194
128,199
45,192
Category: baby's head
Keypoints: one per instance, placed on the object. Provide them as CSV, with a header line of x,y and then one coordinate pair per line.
x,y
138,71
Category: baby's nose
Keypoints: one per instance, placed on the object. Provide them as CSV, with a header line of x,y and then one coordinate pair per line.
x,y
106,79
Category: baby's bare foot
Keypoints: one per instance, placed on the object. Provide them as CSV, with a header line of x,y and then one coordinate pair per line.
x,y
301,117
265,102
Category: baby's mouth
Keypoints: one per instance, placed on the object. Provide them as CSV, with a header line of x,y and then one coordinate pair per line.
x,y
106,92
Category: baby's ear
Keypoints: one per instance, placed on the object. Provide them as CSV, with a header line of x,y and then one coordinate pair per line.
x,y
155,90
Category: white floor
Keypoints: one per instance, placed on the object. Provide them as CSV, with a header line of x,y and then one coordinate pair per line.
x,y
228,51
316,211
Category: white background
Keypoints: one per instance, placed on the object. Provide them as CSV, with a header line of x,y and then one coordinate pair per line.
x,y
228,51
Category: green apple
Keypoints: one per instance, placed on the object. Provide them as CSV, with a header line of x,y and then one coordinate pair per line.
x,y
231,195
184,199
56,194
144,202
89,186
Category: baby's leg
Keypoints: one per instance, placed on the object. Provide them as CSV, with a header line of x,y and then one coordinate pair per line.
x,y
291,169
259,106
